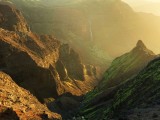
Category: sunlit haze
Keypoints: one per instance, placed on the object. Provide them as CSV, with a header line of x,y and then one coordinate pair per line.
x,y
80,59
150,6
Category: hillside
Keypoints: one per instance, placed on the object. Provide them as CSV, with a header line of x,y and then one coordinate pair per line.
x,y
138,98
40,63
127,65
17,103
121,70
141,92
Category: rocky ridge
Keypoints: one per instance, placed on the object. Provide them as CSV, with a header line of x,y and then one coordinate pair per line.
x,y
41,57
121,70
40,63
140,93
18,103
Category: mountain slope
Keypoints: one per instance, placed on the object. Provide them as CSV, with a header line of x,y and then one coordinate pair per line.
x,y
138,98
121,70
127,65
45,67
22,102
142,91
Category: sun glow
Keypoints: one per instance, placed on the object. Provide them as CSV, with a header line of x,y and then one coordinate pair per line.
x,y
149,6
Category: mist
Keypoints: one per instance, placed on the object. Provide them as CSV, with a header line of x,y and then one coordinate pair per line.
x,y
148,6
79,59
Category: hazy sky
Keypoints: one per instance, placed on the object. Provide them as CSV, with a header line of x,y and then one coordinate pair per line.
x,y
150,6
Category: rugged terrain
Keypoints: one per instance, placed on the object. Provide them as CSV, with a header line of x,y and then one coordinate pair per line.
x,y
40,63
140,93
41,59
121,70
17,103
98,29
127,65
39,69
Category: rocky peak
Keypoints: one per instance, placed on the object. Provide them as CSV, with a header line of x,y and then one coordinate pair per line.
x,y
131,62
142,49
12,19
140,44
121,70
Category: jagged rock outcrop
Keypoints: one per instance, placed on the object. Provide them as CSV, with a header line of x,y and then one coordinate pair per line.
x,y
17,103
73,66
24,66
11,19
72,62
127,65
40,64
121,70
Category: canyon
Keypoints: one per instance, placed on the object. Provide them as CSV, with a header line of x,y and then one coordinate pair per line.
x,y
69,60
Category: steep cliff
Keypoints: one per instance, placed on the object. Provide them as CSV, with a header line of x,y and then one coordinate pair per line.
x,y
41,64
17,23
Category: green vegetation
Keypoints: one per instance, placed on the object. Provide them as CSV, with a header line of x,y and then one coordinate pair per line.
x,y
142,90
120,84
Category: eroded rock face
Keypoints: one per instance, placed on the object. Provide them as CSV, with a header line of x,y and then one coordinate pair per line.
x,y
17,103
72,62
40,63
10,19
23,67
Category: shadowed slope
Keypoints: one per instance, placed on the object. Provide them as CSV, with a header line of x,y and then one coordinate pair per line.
x,y
40,64
121,70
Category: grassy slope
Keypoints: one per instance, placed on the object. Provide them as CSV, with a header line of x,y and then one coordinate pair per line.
x,y
122,69
143,90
